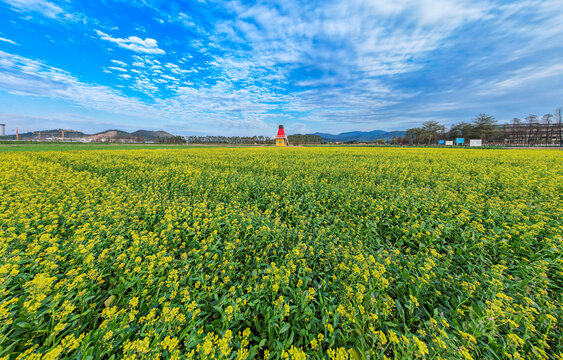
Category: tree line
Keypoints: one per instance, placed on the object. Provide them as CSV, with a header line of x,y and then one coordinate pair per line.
x,y
531,131
258,140
304,139
169,140
229,140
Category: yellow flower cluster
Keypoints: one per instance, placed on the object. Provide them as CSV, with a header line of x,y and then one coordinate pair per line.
x,y
246,253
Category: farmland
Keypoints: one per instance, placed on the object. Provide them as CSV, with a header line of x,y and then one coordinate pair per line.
x,y
281,253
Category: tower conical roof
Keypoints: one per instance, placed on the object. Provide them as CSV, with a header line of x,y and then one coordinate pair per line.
x,y
281,132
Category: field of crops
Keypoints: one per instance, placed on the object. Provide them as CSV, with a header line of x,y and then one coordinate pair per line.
x,y
322,253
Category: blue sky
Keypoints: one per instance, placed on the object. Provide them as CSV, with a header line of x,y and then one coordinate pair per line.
x,y
241,68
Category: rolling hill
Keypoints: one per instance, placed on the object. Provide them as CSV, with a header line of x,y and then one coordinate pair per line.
x,y
361,136
108,135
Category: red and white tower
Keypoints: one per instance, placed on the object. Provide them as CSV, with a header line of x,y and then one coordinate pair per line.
x,y
281,138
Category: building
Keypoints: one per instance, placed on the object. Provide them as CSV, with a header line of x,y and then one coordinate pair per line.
x,y
2,129
531,134
281,138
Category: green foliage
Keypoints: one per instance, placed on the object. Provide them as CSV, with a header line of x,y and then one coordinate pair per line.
x,y
485,126
171,140
304,139
428,133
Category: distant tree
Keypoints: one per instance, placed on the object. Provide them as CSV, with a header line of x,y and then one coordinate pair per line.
x,y
517,131
461,130
485,127
547,118
428,133
414,135
229,140
558,119
304,139
431,130
504,131
532,121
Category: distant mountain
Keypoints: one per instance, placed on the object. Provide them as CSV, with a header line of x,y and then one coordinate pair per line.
x,y
111,134
108,135
361,136
147,134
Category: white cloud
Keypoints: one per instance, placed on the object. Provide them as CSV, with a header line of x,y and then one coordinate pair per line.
x,y
351,50
120,63
125,76
144,85
222,105
43,7
8,41
117,68
23,76
185,20
172,78
134,43
372,44
537,26
520,79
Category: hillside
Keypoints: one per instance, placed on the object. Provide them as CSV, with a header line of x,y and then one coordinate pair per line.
x,y
361,136
108,135
147,134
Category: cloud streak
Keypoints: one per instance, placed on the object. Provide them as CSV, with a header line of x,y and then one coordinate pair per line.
x,y
23,76
8,41
200,106
134,43
43,7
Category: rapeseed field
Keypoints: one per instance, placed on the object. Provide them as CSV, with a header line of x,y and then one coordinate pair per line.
x,y
262,253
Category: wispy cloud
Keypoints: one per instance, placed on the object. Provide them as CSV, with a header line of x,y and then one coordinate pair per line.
x,y
43,7
168,77
23,76
117,68
134,43
212,106
339,70
520,79
120,63
8,41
